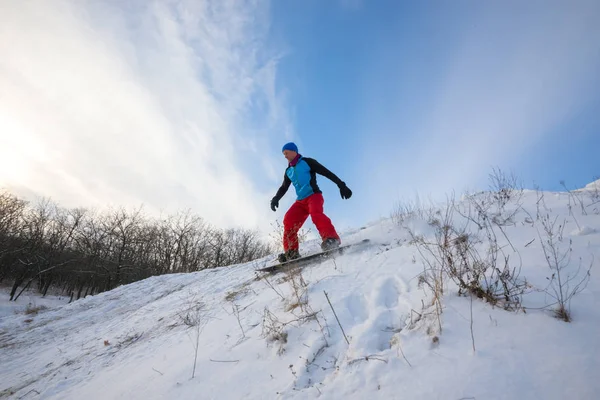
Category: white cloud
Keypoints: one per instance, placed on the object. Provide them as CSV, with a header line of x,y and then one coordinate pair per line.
x,y
170,104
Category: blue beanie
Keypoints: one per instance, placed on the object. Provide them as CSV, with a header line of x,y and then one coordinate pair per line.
x,y
290,146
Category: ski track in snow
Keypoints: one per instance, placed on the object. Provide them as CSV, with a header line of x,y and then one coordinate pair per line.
x,y
386,317
131,342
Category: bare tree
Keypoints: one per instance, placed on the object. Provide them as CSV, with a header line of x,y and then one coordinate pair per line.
x,y
123,229
11,219
83,252
33,235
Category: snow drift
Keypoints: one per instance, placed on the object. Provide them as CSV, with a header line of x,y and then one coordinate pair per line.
x,y
366,324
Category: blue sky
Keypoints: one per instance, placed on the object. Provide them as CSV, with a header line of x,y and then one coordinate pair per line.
x,y
184,104
382,89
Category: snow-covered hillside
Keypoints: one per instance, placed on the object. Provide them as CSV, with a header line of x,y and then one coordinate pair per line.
x,y
276,336
593,186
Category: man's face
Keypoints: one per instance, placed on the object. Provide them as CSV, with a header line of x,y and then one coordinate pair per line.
x,y
289,155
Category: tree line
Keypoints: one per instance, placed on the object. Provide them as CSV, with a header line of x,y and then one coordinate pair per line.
x,y
81,252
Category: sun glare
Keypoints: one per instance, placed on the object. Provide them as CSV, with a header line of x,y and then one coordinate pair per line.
x,y
18,151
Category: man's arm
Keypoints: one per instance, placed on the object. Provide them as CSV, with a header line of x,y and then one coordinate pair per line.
x,y
283,188
321,170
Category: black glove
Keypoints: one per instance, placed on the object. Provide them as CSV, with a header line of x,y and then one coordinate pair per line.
x,y
274,204
345,192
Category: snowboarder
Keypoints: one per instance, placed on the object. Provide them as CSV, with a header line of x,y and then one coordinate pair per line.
x,y
301,171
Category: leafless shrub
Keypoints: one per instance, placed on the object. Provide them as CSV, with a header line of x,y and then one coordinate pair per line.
x,y
454,253
428,320
563,284
299,292
404,210
505,188
297,305
492,207
273,330
193,312
433,279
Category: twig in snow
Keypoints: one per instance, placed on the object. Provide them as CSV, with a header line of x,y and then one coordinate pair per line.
x,y
334,264
195,317
403,356
506,237
32,390
155,370
336,317
272,287
472,336
236,311
366,358
225,361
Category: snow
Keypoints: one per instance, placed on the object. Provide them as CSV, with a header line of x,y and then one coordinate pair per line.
x,y
133,343
593,186
584,230
28,302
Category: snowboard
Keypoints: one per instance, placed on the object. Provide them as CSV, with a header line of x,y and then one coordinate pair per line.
x,y
309,259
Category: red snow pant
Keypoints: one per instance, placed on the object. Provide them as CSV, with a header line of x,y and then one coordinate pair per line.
x,y
297,215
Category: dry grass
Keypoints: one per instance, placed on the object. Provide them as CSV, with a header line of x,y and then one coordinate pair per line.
x,y
561,312
238,293
299,289
34,310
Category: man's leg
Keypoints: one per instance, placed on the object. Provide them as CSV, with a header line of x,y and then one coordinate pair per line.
x,y
292,222
321,221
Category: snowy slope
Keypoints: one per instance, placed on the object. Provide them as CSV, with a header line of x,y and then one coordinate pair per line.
x,y
134,343
593,186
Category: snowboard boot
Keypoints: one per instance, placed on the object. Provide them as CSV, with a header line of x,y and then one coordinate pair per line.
x,y
289,255
330,244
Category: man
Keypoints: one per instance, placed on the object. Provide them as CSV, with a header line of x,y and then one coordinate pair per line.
x,y
301,172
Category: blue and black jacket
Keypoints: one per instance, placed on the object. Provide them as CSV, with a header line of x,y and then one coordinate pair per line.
x,y
303,176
